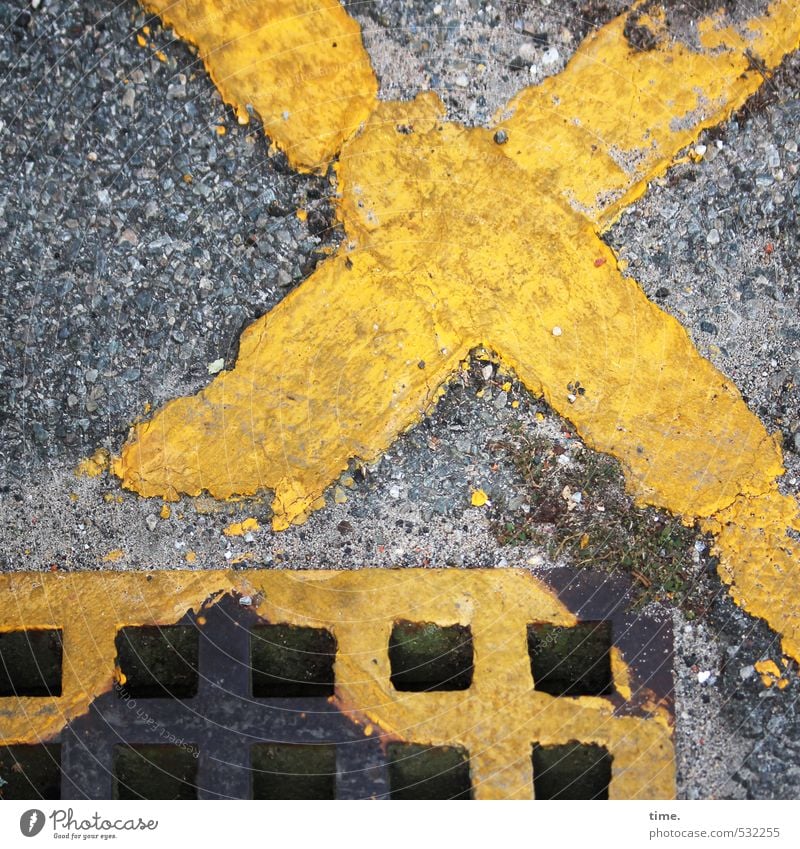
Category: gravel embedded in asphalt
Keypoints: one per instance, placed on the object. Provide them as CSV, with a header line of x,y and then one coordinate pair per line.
x,y
137,240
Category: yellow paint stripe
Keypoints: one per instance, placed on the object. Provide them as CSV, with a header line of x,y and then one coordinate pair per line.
x,y
619,116
299,64
497,719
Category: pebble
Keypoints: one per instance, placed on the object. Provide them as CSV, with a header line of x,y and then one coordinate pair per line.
x,y
556,331
551,56
712,237
462,81
394,491
747,672
151,520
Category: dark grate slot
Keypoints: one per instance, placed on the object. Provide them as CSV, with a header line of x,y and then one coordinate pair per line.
x,y
30,662
289,661
425,656
290,771
155,772
572,771
428,772
30,772
158,662
571,661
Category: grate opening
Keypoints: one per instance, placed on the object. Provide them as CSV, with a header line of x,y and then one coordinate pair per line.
x,y
425,656
155,772
158,661
30,772
30,662
428,772
292,771
571,771
571,661
289,661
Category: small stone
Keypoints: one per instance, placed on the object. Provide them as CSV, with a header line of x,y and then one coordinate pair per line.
x,y
703,676
284,278
709,327
129,98
91,375
556,331
394,491
487,372
246,601
151,520
712,237
500,137
129,237
216,366
462,81
747,672
551,56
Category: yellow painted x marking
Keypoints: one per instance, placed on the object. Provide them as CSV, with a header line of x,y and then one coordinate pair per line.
x,y
454,241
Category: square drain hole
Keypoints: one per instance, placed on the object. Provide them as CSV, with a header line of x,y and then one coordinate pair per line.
x,y
290,771
572,771
290,661
30,772
571,661
30,662
428,772
158,661
425,656
155,772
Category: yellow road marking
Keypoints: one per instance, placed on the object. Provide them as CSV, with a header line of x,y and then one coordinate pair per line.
x,y
496,719
298,64
454,241
616,118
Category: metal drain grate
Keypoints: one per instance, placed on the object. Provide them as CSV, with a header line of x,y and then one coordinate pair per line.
x,y
286,690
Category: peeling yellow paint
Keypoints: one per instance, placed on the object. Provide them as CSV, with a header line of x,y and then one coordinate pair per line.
x,y
165,512
479,498
364,347
770,674
297,64
114,555
496,719
191,557
238,529
94,466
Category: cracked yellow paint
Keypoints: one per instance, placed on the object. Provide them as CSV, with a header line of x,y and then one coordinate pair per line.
x,y
299,65
496,719
454,241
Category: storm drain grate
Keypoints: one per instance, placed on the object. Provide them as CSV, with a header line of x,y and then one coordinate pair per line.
x,y
228,704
